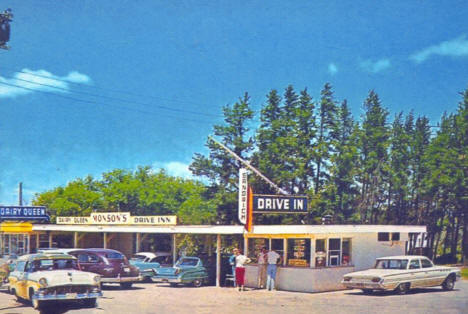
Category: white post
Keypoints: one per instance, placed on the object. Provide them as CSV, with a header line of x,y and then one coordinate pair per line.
x,y
246,246
138,240
218,260
75,239
38,243
285,251
50,240
105,240
174,249
312,252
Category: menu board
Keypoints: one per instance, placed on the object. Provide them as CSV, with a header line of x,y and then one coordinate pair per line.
x,y
299,248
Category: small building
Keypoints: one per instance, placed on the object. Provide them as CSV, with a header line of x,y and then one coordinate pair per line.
x,y
314,257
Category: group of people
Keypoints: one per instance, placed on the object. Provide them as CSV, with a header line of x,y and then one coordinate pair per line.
x,y
267,265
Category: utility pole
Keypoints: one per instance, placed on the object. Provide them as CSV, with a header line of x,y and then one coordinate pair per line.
x,y
248,165
20,196
5,18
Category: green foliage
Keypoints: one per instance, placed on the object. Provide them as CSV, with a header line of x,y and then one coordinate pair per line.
x,y
140,192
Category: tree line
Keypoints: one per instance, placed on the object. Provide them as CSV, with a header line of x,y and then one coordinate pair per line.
x,y
376,169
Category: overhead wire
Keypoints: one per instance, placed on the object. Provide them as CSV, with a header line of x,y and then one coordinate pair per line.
x,y
101,103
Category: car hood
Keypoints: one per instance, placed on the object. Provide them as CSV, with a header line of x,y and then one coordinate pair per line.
x,y
64,277
371,273
143,265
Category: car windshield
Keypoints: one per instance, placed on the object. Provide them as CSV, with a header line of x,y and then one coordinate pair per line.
x,y
114,255
188,262
53,264
391,264
138,258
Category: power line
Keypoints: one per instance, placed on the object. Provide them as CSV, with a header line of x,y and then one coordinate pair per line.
x,y
121,100
104,89
99,103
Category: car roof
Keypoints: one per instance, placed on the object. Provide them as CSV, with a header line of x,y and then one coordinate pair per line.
x,y
151,254
402,257
39,256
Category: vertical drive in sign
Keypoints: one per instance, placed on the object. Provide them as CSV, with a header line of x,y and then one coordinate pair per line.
x,y
243,199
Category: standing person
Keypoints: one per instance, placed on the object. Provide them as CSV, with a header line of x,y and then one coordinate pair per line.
x,y
273,259
232,262
240,269
262,267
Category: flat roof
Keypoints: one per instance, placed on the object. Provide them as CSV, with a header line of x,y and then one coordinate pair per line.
x,y
231,229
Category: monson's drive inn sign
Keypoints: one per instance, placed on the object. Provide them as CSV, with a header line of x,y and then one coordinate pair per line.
x,y
117,218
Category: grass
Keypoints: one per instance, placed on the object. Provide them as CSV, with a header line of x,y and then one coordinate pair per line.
x,y
464,273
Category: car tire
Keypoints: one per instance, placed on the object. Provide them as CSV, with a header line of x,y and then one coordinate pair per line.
x,y
449,283
173,284
90,303
147,279
126,285
367,291
403,288
197,283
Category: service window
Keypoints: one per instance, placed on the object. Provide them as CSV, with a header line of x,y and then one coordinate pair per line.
x,y
320,253
298,252
277,245
383,236
334,252
395,236
346,253
255,247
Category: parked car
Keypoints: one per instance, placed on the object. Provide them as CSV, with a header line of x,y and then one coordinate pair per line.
x,y
44,277
187,270
401,273
112,265
147,261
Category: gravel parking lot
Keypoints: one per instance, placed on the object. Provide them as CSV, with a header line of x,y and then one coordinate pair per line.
x,y
152,298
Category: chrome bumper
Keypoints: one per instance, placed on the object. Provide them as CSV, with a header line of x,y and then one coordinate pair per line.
x,y
364,285
170,280
120,279
67,296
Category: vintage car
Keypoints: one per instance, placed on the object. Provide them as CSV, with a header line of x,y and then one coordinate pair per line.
x,y
187,270
147,261
401,273
112,265
43,277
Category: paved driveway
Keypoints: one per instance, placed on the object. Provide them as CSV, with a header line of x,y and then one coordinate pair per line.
x,y
152,298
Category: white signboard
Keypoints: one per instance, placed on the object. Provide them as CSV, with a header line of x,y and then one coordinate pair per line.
x,y
117,218
243,199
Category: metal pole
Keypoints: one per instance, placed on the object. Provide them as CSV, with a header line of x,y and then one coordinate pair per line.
x,y
105,240
218,260
138,240
247,164
20,194
174,250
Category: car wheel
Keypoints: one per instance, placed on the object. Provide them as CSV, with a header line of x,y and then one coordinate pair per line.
x,y
91,303
147,279
403,288
173,284
367,291
197,283
448,284
126,285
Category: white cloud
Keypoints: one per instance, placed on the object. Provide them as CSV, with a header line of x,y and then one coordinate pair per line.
x,y
29,81
455,48
175,168
375,66
332,68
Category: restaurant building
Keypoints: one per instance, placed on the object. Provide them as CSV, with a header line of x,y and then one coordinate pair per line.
x,y
314,257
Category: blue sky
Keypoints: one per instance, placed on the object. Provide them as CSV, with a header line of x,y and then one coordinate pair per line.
x,y
129,76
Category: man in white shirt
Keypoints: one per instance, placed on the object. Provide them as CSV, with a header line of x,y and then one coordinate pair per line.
x,y
273,259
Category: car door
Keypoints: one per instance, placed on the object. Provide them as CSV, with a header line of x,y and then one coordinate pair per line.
x,y
436,275
415,274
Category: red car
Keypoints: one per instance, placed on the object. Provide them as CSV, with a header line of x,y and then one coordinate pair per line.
x,y
112,265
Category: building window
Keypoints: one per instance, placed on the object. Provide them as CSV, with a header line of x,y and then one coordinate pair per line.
x,y
255,247
277,245
298,252
395,236
346,254
334,252
383,236
320,253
